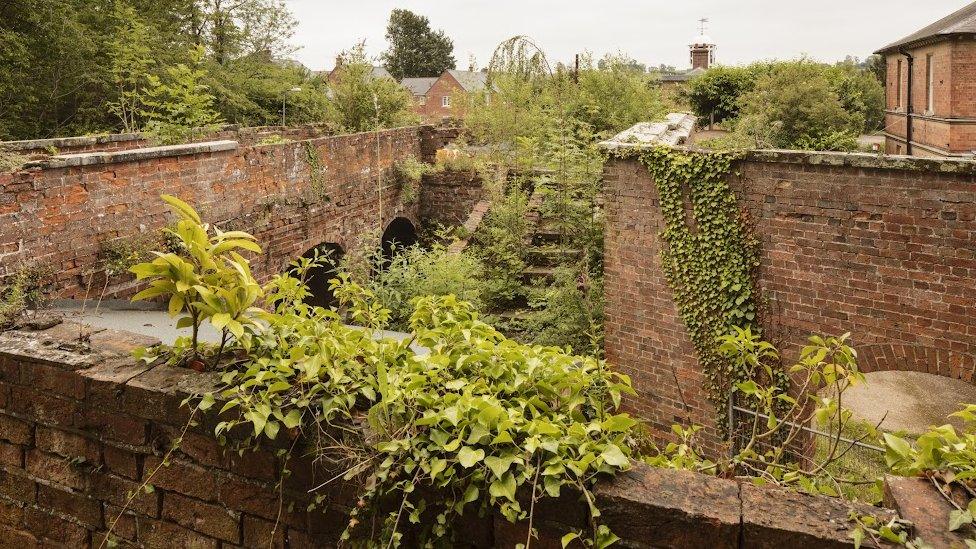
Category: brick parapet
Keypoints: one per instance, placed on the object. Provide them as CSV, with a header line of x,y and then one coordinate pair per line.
x,y
292,196
82,426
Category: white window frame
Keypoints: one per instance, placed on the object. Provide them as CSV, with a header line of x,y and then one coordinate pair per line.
x,y
446,101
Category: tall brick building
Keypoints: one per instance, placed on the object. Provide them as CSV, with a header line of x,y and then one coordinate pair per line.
x,y
931,89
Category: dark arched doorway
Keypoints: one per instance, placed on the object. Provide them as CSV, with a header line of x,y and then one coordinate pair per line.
x,y
399,234
318,278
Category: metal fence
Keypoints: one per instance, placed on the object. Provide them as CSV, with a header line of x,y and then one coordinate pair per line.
x,y
853,458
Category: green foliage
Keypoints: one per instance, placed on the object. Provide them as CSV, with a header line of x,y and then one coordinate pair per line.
x,y
180,106
122,254
717,91
63,61
500,244
791,104
11,161
415,49
408,172
708,257
363,102
207,280
527,95
130,53
477,420
612,95
26,287
569,313
416,272
860,93
796,104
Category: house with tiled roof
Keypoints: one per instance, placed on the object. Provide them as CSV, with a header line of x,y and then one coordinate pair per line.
x,y
434,96
930,89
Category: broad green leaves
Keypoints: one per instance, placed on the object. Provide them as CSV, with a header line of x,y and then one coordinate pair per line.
x,y
477,417
208,280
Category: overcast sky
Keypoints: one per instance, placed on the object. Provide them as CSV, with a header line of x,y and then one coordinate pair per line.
x,y
651,31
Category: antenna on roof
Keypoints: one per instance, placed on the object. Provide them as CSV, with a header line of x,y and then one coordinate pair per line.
x,y
703,25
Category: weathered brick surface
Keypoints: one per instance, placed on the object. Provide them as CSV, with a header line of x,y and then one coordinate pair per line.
x,y
76,481
448,197
885,249
949,127
63,217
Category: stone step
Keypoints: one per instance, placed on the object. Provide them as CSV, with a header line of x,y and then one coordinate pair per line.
x,y
550,256
534,274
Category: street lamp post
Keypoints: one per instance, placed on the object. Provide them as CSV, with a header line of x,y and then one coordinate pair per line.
x,y
284,96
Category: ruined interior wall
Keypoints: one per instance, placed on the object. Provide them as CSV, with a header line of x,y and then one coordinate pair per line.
x,y
447,197
883,248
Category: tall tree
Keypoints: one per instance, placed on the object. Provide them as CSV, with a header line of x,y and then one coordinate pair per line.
x,y
415,49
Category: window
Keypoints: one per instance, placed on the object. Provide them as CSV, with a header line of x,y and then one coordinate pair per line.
x,y
421,99
929,85
446,101
898,85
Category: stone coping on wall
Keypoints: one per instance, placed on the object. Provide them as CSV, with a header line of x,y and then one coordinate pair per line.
x,y
69,142
648,135
62,399
132,155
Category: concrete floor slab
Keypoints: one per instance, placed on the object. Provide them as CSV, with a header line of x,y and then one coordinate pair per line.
x,y
913,401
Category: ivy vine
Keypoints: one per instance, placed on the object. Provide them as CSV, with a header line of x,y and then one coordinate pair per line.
x,y
709,255
316,173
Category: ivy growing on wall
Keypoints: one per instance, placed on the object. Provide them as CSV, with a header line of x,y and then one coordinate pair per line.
x,y
709,254
316,173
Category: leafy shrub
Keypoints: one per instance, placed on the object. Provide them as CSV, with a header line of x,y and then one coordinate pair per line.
x,y
500,244
569,313
205,280
474,419
796,104
10,161
716,93
363,102
408,172
416,272
180,105
27,287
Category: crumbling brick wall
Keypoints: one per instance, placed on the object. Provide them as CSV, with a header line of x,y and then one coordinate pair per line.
x,y
882,248
84,426
291,196
447,197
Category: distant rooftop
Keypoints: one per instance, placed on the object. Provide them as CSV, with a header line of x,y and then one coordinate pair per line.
x,y
960,22
470,80
418,86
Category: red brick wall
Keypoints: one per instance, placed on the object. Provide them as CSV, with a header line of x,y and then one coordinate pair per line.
x,y
883,248
447,197
82,430
954,87
61,217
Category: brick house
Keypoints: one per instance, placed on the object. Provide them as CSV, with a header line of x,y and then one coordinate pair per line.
x,y
931,89
433,96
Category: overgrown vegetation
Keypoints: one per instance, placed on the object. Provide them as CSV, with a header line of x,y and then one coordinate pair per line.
x,y
791,104
476,419
27,287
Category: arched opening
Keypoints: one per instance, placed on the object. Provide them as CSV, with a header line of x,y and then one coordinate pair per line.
x,y
318,277
399,234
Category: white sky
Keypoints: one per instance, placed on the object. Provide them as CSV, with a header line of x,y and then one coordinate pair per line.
x,y
651,31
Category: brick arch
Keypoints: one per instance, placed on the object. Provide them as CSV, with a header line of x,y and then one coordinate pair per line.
x,y
881,357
